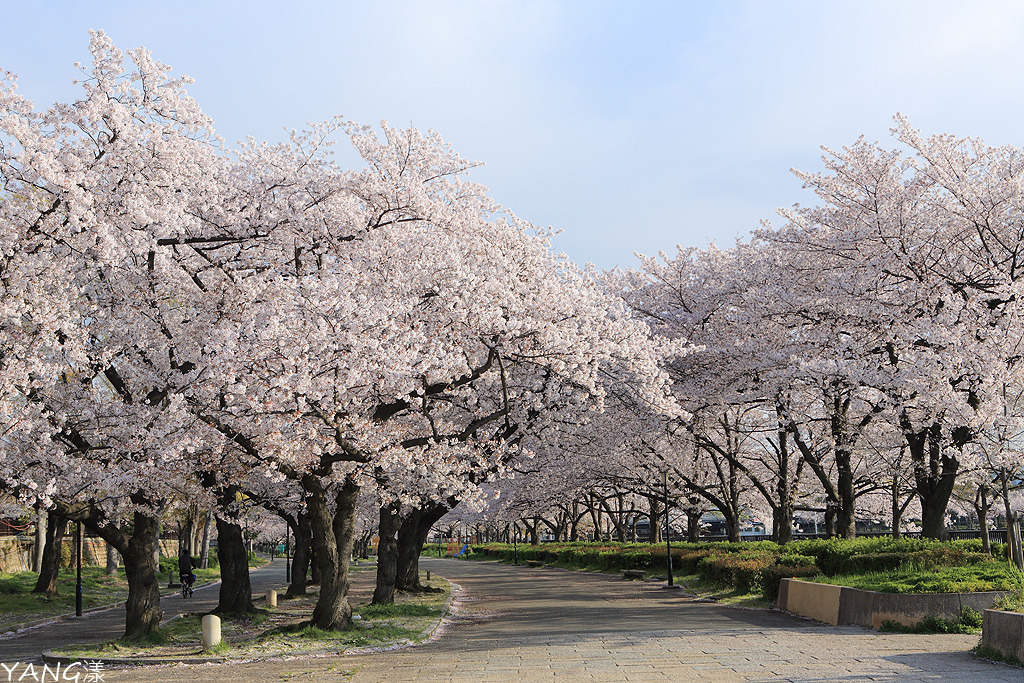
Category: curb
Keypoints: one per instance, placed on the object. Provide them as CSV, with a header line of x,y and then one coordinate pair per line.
x,y
453,588
50,658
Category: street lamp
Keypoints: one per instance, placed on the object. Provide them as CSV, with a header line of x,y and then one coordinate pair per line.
x,y
287,553
668,534
515,550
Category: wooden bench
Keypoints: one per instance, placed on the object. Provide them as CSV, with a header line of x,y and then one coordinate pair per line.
x,y
534,563
633,573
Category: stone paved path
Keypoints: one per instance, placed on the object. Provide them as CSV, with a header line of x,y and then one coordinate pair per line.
x,y
524,626
533,625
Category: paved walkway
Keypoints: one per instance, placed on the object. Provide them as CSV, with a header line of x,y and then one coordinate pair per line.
x,y
535,625
98,627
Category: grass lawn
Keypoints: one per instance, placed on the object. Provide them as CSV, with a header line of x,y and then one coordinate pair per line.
x,y
281,631
18,604
988,576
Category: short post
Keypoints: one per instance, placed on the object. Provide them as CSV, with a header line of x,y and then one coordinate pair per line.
x,y
271,598
428,576
211,631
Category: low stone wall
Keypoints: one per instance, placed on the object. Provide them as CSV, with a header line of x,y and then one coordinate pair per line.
x,y
841,605
16,553
1004,631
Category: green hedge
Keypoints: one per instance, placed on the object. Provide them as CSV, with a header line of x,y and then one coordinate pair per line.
x,y
761,566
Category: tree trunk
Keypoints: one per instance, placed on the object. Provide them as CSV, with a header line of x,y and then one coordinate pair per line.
x,y
143,604
595,516
333,536
387,554
897,508
314,565
830,520
655,516
204,552
235,587
846,523
732,526
49,566
1013,539
934,475
409,545
156,551
112,556
197,533
40,544
785,490
185,538
411,538
693,516
300,557
982,507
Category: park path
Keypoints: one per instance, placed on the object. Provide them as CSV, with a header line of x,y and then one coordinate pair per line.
x,y
98,627
519,625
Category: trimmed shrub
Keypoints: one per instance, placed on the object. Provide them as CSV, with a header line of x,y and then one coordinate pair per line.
x,y
771,578
797,561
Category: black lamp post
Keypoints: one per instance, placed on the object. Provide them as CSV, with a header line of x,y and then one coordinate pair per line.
x,y
515,549
287,553
668,533
78,582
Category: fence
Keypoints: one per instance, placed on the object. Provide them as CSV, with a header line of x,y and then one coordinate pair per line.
x,y
994,535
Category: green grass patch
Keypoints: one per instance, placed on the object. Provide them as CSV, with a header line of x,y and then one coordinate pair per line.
x,y
912,578
994,655
399,609
18,603
968,622
360,636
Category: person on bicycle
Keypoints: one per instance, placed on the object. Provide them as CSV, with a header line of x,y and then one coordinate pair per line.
x,y
185,566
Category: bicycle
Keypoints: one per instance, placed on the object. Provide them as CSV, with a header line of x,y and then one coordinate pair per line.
x,y
186,585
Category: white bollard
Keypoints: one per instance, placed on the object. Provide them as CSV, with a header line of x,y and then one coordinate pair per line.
x,y
211,631
271,598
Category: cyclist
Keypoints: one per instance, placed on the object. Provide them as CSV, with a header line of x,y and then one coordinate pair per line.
x,y
185,574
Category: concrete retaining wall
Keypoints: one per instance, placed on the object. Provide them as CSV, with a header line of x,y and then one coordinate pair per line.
x,y
842,605
1004,631
815,600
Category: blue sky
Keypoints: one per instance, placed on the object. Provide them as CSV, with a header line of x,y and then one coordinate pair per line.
x,y
630,126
